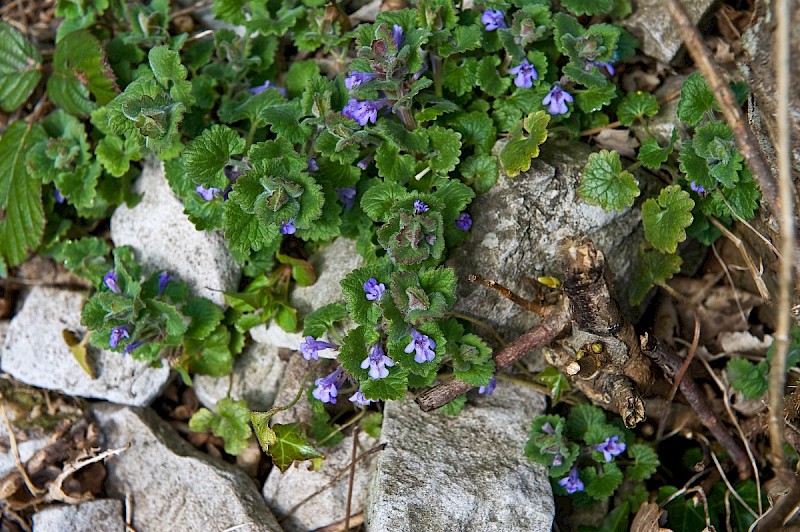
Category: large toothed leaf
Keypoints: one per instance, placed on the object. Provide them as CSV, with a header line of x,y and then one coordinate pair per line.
x,y
606,184
20,65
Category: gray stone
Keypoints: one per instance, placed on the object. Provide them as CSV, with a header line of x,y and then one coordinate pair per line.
x,y
653,26
165,239
171,484
296,376
283,491
34,352
105,515
467,472
271,334
255,378
515,231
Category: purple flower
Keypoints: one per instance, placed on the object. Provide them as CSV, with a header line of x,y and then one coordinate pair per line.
x,y
207,193
419,207
610,448
110,280
422,345
359,399
525,74
163,279
464,222
608,66
310,346
363,112
328,387
261,88
356,78
288,228
131,346
493,19
374,289
558,459
377,362
347,196
557,98
312,165
117,334
547,428
57,196
489,388
430,239
697,188
364,163
572,483
397,35
232,172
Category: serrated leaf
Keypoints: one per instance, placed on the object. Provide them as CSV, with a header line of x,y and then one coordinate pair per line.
x,y
600,486
204,316
556,382
284,121
655,267
320,320
378,201
587,7
592,99
80,69
362,310
21,213
171,74
477,130
519,151
85,257
299,75
750,379
652,155
645,462
391,388
244,232
696,99
206,156
391,165
636,105
455,197
212,355
372,424
666,218
20,65
480,171
445,149
460,75
325,433
116,154
291,445
581,418
455,406
231,423
463,39
489,79
605,184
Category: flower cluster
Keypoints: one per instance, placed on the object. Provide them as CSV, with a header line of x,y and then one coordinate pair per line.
x,y
374,289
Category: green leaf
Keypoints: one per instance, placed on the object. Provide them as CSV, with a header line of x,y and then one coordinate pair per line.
x,y
244,232
592,99
479,370
666,218
750,379
378,201
299,75
581,418
207,155
391,165
489,79
85,257
636,105
477,130
480,171
321,429
318,322
21,213
80,69
171,74
715,143
391,388
460,75
464,39
229,423
696,99
212,355
455,406
361,310
587,7
652,155
284,121
519,151
445,149
116,154
645,462
372,424
555,381
601,486
454,195
655,268
605,184
354,350
204,316
20,68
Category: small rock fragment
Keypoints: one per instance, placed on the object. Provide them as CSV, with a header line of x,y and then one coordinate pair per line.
x,y
165,239
34,352
464,472
171,484
103,514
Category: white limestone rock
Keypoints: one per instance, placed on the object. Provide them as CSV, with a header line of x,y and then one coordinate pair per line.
x,y
104,514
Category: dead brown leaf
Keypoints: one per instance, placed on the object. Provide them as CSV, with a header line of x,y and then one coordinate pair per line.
x,y
646,519
619,140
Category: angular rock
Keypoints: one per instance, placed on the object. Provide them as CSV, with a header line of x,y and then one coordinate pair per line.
x,y
255,378
467,472
171,484
34,352
296,375
653,26
284,491
93,515
516,227
165,239
271,334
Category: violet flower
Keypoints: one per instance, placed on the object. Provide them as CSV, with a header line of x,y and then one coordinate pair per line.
x,y
377,361
493,19
489,388
311,346
558,459
397,35
363,112
557,98
359,399
328,387
600,65
117,334
110,280
464,221
697,188
347,196
525,74
312,165
610,448
131,346
547,428
572,483
57,196
163,279
288,228
207,193
419,207
261,88
356,78
423,347
374,289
